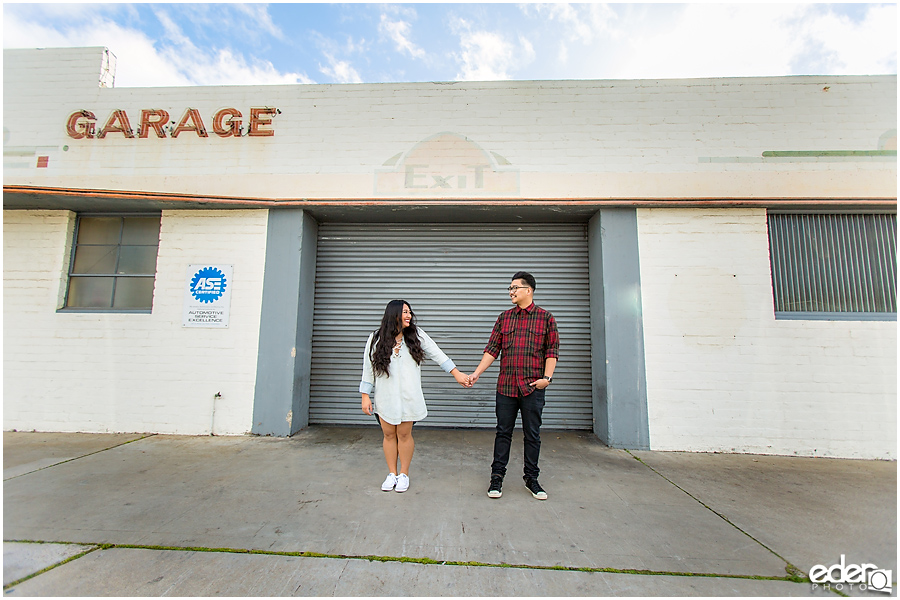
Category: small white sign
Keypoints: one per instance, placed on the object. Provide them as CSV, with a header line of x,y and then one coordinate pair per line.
x,y
207,296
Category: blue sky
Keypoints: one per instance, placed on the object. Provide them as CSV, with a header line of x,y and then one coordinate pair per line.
x,y
214,44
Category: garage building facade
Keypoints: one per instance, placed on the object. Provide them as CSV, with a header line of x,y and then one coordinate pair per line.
x,y
720,254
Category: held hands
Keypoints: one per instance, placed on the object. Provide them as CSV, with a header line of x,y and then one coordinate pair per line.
x,y
461,378
470,380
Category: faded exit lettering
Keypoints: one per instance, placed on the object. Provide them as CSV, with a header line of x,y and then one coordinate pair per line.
x,y
447,164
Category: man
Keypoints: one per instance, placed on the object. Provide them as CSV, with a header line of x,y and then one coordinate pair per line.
x,y
526,339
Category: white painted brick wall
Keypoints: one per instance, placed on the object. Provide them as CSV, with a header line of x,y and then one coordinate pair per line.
x,y
576,129
51,68
130,372
724,375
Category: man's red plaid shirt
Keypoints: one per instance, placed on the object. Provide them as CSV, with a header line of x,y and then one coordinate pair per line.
x,y
524,338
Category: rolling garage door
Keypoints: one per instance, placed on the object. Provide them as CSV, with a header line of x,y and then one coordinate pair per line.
x,y
455,278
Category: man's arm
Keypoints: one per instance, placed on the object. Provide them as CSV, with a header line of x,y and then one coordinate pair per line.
x,y
549,367
491,351
486,361
551,352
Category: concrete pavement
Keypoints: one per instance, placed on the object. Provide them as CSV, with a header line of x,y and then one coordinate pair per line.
x,y
171,515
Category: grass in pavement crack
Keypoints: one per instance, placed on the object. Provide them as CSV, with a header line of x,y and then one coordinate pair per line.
x,y
431,561
51,567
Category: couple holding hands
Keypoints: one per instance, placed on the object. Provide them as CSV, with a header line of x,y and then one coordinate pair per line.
x,y
526,340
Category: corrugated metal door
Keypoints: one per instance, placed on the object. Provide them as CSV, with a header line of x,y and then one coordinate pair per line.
x,y
455,278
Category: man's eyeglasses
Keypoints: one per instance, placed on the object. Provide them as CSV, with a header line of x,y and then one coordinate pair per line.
x,y
516,288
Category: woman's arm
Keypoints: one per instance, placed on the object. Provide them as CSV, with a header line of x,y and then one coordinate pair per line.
x,y
433,352
367,383
366,404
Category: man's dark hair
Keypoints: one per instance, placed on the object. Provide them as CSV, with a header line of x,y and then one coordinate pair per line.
x,y
527,277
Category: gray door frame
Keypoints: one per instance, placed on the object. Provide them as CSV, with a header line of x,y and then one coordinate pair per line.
x,y
617,330
281,398
281,402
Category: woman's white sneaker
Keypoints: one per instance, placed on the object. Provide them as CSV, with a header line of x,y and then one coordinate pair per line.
x,y
390,482
402,483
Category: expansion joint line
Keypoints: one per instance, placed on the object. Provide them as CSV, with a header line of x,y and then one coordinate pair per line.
x,y
794,574
403,559
12,584
62,462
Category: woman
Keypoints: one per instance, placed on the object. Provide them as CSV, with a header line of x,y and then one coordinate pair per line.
x,y
392,369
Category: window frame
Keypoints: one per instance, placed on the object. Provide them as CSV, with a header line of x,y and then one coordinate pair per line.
x,y
74,246
823,315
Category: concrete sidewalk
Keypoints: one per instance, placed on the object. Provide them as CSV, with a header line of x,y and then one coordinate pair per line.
x,y
170,515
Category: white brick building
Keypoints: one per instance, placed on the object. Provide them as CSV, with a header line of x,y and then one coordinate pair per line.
x,y
720,253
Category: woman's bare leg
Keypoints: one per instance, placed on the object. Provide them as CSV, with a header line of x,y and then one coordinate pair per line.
x,y
405,445
389,444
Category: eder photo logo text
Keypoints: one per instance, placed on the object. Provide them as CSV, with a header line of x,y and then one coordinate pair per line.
x,y
862,577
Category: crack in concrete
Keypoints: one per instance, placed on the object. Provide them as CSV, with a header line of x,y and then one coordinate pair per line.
x,y
12,584
794,573
68,460
403,559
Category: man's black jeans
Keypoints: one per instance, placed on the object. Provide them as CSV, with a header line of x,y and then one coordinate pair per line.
x,y
531,407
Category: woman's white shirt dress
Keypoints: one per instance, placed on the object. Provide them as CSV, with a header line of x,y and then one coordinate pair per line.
x,y
399,398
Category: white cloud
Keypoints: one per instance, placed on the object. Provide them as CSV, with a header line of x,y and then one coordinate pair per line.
x,y
138,64
224,67
866,47
399,32
218,66
339,70
173,31
712,40
259,15
204,44
563,53
488,55
142,61
249,23
360,47
582,22
723,40
527,53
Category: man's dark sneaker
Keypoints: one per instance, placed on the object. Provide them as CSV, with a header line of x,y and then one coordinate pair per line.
x,y
496,489
535,488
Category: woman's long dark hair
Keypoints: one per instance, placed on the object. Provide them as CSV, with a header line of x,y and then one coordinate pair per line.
x,y
383,342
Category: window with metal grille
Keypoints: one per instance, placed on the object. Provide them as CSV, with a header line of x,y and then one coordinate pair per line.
x,y
113,264
834,265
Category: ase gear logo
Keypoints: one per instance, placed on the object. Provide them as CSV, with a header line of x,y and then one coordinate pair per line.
x,y
208,284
